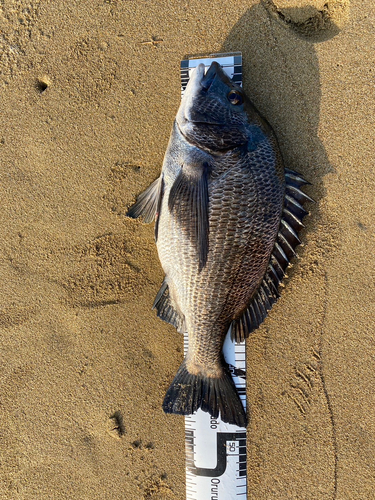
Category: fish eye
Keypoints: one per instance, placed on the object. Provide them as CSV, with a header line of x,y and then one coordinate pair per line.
x,y
235,97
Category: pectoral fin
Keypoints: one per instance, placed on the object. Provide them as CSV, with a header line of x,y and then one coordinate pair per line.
x,y
188,201
147,202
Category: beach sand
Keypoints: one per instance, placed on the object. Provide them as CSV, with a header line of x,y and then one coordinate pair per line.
x,y
89,91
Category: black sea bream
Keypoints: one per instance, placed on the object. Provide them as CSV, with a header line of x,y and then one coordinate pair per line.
x,y
227,217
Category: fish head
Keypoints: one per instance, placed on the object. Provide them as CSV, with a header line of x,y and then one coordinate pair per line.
x,y
212,114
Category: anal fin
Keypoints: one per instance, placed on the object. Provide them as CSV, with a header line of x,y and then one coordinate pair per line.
x,y
165,309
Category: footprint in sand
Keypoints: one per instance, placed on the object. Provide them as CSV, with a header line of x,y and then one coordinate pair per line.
x,y
105,273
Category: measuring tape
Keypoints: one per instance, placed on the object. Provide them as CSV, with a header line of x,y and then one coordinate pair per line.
x,y
215,450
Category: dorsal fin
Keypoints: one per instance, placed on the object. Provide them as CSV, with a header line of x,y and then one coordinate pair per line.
x,y
284,249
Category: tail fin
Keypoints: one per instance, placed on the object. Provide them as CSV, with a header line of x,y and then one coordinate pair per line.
x,y
189,392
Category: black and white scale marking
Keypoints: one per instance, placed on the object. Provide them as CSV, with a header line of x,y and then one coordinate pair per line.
x,y
215,450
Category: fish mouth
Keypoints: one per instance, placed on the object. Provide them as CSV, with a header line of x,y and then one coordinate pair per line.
x,y
205,122
187,132
215,70
200,82
209,77
192,119
186,127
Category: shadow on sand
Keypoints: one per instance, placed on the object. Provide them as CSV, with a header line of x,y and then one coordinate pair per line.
x,y
281,77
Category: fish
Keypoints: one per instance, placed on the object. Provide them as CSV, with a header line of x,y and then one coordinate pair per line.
x,y
227,217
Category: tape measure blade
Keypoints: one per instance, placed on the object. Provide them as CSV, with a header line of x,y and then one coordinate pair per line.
x,y
215,450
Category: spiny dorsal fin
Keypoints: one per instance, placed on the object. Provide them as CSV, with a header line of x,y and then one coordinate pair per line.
x,y
147,202
293,178
188,201
284,249
165,309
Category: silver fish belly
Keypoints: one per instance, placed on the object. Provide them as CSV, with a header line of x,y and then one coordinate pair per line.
x,y
227,221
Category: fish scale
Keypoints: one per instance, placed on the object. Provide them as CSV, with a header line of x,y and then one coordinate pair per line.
x,y
237,217
227,222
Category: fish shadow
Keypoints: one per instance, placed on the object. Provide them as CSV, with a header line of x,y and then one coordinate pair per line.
x,y
281,77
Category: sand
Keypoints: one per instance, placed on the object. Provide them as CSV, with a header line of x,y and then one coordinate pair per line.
x,y
89,90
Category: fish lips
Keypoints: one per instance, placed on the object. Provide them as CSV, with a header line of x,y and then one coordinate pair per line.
x,y
210,76
196,91
199,119
195,119
212,137
215,71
